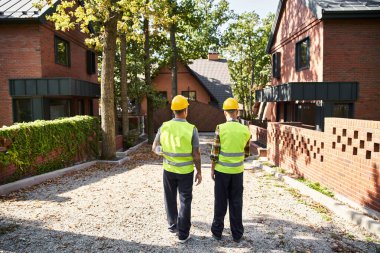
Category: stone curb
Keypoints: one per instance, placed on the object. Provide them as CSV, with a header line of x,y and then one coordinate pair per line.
x,y
27,182
338,208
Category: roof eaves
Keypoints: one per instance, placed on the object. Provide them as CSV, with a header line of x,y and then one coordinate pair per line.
x,y
19,20
274,26
311,4
48,10
192,72
345,14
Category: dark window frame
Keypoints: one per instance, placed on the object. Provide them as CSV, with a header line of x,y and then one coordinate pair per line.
x,y
299,52
14,107
91,62
188,94
350,111
276,65
68,51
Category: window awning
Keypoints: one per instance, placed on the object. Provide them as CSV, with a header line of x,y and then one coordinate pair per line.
x,y
306,91
53,87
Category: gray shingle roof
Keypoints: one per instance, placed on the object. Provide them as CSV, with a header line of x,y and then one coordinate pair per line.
x,y
325,9
214,76
20,9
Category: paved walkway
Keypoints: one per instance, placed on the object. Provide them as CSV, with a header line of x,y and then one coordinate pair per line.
x,y
120,209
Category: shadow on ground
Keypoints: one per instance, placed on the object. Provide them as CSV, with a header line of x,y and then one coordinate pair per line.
x,y
260,236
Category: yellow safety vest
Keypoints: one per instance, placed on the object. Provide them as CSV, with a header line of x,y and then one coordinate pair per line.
x,y
176,141
233,138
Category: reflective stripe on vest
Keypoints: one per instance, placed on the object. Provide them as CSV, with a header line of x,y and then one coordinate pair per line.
x,y
177,154
178,164
231,154
176,141
233,138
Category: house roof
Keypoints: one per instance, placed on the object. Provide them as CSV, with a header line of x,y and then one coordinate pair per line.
x,y
214,76
21,10
331,9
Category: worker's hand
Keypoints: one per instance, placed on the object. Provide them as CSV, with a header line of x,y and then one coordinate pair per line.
x,y
198,178
213,174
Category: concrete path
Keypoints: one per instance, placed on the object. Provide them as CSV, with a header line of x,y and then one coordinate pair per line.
x,y
120,209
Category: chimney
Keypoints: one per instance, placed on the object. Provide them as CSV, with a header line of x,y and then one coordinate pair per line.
x,y
212,56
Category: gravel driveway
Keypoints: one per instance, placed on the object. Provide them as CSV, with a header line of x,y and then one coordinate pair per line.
x,y
121,209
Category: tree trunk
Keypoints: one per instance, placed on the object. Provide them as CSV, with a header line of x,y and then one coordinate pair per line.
x,y
173,45
251,90
124,86
107,88
148,80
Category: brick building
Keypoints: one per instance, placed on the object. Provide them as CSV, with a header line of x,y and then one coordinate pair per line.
x,y
325,64
325,57
44,74
205,82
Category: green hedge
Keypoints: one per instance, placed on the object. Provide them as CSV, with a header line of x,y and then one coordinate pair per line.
x,y
42,146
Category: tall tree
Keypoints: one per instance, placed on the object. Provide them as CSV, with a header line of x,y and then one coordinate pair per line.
x,y
103,14
147,74
124,85
244,43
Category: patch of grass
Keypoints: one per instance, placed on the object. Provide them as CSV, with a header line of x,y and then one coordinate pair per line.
x,y
325,213
279,185
267,164
372,240
350,236
295,193
317,186
280,170
268,176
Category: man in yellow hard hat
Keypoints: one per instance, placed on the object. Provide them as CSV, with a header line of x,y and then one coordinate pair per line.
x,y
230,147
180,148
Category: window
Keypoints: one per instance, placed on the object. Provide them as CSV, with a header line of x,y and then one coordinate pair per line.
x,y
191,95
276,65
306,114
22,110
59,108
91,62
302,54
81,107
62,51
342,111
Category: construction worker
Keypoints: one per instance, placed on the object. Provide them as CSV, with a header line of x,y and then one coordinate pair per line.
x,y
230,147
179,142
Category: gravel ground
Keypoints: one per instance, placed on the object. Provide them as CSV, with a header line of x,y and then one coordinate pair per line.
x,y
121,209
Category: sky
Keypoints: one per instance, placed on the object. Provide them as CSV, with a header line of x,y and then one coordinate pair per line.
x,y
261,7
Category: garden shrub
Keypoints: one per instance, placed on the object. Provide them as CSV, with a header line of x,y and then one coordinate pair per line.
x,y
41,146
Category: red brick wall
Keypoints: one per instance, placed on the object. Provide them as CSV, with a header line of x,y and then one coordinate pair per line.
x,y
78,67
296,23
20,57
344,158
352,53
27,51
258,134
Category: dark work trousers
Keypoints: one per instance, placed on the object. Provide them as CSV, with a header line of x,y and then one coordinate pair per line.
x,y
228,190
184,184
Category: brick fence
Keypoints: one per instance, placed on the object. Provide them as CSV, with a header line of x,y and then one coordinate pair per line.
x,y
259,134
345,158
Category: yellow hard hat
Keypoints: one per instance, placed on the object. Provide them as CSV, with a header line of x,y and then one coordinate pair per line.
x,y
179,102
230,104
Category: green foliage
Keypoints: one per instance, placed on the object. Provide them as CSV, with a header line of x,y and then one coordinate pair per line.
x,y
317,186
244,46
131,139
41,146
